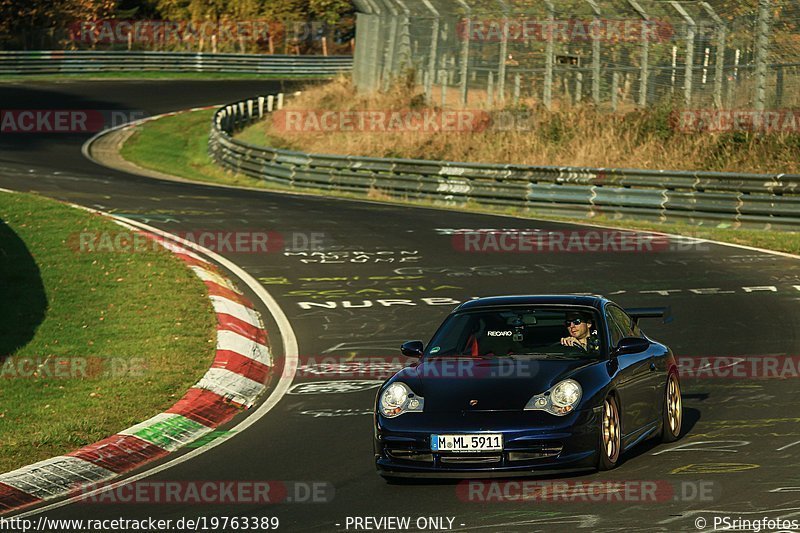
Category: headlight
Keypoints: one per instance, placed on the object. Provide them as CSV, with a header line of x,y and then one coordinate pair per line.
x,y
566,394
397,399
559,400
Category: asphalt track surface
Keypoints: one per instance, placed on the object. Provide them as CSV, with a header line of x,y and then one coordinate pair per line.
x,y
751,426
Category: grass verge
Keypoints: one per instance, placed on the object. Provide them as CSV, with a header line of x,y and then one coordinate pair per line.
x,y
177,145
114,337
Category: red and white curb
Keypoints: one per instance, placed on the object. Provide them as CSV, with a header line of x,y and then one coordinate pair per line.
x,y
241,370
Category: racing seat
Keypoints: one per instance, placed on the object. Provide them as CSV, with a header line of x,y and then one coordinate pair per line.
x,y
472,346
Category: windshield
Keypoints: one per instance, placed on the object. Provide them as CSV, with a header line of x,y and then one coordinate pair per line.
x,y
518,331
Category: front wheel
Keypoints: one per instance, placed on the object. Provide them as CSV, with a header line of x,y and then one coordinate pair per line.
x,y
610,435
673,410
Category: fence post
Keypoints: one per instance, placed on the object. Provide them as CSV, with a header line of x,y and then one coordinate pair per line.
x,y
689,70
645,59
779,87
401,41
490,90
466,39
366,59
517,83
762,50
578,86
595,53
549,51
721,32
433,50
392,18
674,69
443,85
501,71
733,81
614,90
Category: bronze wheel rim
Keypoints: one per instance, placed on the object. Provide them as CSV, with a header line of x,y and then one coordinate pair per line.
x,y
674,406
611,433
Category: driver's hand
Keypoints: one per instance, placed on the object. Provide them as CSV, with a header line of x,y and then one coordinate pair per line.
x,y
569,341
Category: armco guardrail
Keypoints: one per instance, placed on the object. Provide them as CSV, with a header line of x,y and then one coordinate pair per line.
x,y
708,198
79,62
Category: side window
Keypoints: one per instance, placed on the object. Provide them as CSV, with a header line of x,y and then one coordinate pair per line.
x,y
614,329
623,321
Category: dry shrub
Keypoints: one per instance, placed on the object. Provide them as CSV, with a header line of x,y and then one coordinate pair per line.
x,y
572,136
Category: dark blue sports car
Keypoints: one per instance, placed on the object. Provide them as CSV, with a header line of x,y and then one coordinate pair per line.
x,y
516,385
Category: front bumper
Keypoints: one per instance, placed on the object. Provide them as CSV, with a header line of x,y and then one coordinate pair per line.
x,y
533,442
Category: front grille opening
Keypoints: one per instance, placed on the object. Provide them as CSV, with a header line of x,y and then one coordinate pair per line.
x,y
532,453
410,455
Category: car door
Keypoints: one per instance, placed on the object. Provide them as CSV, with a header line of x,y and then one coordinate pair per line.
x,y
637,375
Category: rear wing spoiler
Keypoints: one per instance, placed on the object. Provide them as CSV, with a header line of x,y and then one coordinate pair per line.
x,y
665,313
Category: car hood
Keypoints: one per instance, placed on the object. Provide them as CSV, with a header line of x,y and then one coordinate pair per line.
x,y
452,385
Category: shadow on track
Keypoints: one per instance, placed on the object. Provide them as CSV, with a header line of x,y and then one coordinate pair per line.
x,y
100,112
24,300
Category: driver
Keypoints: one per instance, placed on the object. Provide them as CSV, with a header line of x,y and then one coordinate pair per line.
x,y
579,326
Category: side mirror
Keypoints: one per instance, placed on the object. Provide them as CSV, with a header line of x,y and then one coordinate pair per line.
x,y
412,348
631,345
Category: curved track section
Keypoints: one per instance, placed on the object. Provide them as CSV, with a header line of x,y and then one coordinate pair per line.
x,y
386,274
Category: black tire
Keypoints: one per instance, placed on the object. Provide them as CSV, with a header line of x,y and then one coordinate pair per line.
x,y
672,413
609,445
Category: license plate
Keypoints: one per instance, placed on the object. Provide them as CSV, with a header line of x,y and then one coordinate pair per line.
x,y
467,443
